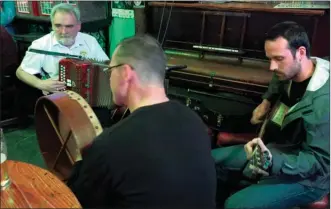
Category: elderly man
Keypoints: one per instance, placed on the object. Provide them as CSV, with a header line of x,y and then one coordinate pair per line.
x,y
159,156
40,72
294,167
64,38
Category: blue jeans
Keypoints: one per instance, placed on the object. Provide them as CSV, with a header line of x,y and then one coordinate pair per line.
x,y
269,193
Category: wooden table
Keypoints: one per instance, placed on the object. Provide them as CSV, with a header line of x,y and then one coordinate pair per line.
x,y
34,187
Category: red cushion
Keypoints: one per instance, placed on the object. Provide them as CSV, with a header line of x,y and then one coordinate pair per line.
x,y
321,204
225,138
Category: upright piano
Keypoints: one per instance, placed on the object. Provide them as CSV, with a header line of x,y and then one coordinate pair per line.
x,y
222,45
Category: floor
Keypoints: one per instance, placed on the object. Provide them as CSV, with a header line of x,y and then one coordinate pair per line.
x,y
22,145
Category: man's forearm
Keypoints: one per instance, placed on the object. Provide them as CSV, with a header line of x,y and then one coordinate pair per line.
x,y
29,79
273,89
266,102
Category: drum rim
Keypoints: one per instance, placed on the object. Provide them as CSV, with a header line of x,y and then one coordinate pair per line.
x,y
67,104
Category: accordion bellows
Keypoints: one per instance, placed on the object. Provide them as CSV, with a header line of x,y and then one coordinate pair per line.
x,y
86,79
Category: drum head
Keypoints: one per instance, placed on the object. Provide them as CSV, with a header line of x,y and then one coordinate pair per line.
x,y
65,124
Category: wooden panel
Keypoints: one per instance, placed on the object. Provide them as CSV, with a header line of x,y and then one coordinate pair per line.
x,y
259,23
250,71
321,41
239,7
231,29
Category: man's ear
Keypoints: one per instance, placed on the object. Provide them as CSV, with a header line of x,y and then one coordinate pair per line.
x,y
79,25
302,52
127,72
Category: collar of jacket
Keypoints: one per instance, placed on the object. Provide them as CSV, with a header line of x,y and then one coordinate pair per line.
x,y
321,74
314,89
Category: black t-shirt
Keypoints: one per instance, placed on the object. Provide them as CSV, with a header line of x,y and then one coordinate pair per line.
x,y
158,157
297,91
294,133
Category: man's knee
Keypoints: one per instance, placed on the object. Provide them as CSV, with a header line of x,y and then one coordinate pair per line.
x,y
232,157
230,203
239,201
26,98
229,164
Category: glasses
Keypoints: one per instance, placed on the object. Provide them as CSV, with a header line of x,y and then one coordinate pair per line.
x,y
110,68
5,181
115,66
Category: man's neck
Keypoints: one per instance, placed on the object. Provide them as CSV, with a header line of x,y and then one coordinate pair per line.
x,y
306,72
146,97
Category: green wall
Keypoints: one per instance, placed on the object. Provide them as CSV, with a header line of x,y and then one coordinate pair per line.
x,y
120,28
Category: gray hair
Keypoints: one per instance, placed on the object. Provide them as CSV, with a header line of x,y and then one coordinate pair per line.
x,y
146,56
64,7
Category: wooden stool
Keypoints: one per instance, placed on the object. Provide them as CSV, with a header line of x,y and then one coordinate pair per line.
x,y
34,187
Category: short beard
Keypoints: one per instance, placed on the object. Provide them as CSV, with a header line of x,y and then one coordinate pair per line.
x,y
66,41
296,68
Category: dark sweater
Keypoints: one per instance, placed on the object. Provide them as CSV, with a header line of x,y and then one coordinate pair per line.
x,y
158,157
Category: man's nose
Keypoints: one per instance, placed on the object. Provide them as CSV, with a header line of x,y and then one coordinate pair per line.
x,y
273,65
63,30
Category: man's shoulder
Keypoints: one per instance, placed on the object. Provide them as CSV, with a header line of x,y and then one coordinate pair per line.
x,y
322,64
184,108
183,114
43,40
322,96
321,103
110,134
321,110
44,37
320,80
133,121
85,36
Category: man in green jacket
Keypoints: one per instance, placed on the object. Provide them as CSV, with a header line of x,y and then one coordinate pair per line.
x,y
295,157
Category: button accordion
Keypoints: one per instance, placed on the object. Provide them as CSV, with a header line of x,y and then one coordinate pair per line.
x,y
86,79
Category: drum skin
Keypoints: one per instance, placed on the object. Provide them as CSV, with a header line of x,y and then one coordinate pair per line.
x,y
65,124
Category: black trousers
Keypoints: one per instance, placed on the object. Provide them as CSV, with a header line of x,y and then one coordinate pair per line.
x,y
26,98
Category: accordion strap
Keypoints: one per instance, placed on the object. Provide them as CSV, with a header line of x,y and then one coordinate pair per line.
x,y
38,51
70,56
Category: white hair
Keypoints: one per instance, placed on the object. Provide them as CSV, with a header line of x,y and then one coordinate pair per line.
x,y
64,7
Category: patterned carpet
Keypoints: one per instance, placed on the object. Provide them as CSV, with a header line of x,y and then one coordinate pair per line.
x,y
23,146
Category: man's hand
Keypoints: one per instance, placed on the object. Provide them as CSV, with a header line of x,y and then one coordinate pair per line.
x,y
51,85
249,147
251,152
260,112
256,170
78,155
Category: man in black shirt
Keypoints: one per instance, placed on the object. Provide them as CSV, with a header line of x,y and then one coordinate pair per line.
x,y
293,169
157,157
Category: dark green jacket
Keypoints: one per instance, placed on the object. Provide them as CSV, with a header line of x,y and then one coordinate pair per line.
x,y
308,162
